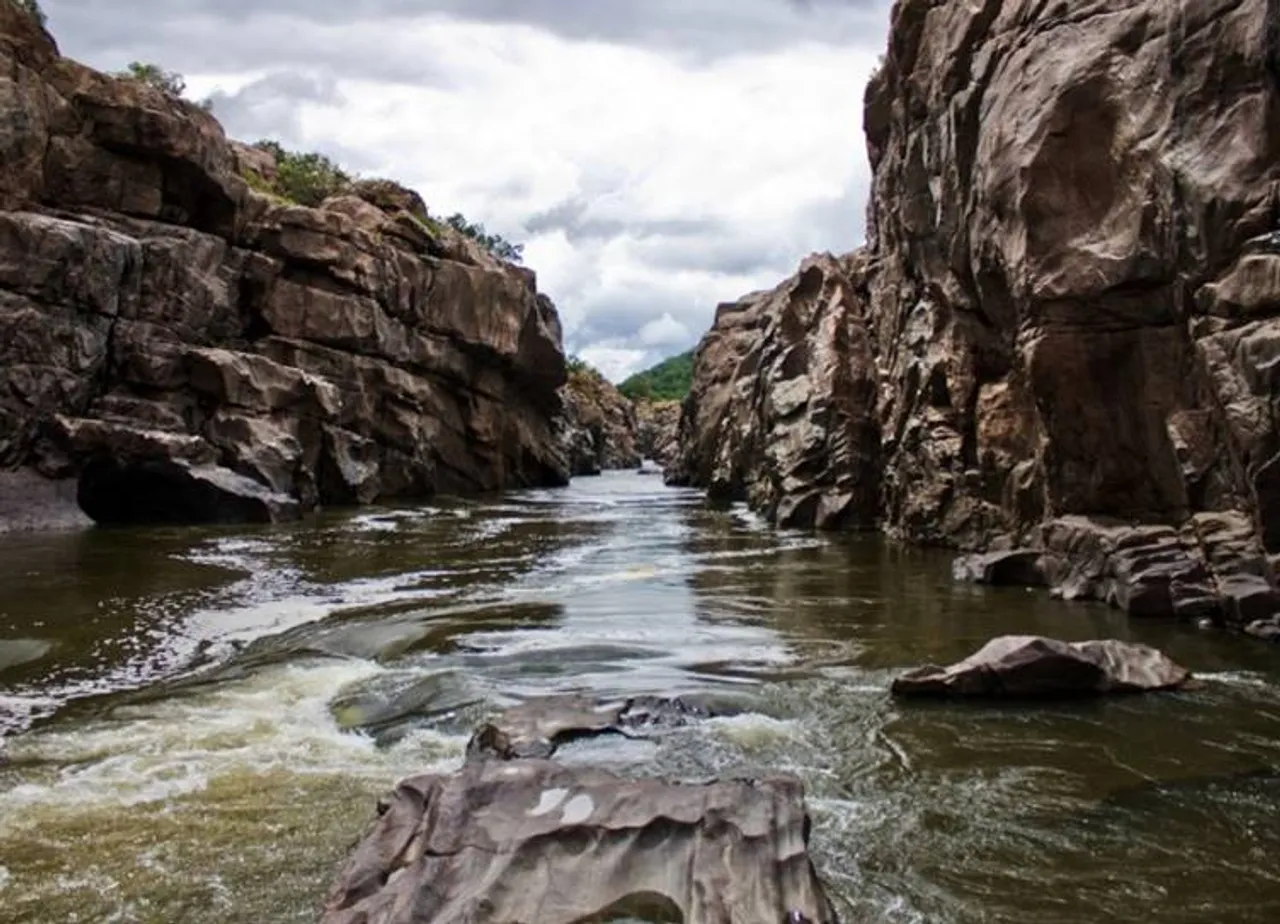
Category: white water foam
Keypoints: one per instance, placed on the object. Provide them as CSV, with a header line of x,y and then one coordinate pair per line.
x,y
278,719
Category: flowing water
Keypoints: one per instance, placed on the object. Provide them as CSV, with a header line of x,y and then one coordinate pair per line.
x,y
197,722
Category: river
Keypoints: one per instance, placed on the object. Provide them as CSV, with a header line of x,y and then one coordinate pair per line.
x,y
197,721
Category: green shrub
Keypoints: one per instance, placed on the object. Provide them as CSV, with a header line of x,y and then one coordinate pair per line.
x,y
496,244
669,380
307,179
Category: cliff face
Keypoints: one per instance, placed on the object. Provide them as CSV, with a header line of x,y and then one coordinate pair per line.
x,y
658,423
1069,310
782,411
190,349
599,427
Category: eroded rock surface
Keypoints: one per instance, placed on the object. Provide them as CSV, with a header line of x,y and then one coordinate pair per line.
x,y
599,428
1029,666
1061,333
169,328
782,411
538,727
533,840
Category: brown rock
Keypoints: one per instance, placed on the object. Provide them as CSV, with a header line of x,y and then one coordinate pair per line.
x,y
598,429
345,354
538,727
782,412
1061,333
658,430
535,841
1029,666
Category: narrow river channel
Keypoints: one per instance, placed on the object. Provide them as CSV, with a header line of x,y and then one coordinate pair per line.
x,y
197,722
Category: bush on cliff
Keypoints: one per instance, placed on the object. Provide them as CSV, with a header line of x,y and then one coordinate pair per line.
x,y
307,179
496,244
153,75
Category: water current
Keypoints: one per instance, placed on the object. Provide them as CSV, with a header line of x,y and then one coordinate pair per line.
x,y
197,722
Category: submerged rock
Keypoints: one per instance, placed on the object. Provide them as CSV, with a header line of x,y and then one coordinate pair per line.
x,y
536,842
1030,666
538,727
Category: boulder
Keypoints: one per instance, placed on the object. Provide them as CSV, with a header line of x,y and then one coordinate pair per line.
x,y
1014,666
534,841
538,727
1017,567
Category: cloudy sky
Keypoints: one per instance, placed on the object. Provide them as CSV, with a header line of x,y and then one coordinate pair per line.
x,y
656,157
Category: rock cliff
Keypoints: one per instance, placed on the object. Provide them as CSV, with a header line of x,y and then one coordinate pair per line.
x,y
658,424
189,349
1062,331
598,430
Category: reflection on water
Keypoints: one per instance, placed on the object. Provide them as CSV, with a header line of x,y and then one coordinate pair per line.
x,y
198,721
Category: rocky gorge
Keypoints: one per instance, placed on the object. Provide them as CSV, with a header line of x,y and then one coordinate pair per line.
x,y
176,345
1057,344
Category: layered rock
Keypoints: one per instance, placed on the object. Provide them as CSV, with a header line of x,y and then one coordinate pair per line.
x,y
1066,314
782,411
599,426
191,349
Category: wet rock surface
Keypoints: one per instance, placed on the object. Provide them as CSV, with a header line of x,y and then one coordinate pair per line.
x,y
1059,335
512,836
1014,666
538,727
335,355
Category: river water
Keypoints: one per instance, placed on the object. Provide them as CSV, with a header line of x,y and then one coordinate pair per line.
x,y
197,721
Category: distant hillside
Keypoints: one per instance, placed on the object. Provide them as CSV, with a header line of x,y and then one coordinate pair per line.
x,y
669,380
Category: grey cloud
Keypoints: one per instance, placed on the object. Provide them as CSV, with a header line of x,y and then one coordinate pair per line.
x,y
573,217
213,34
268,108
620,318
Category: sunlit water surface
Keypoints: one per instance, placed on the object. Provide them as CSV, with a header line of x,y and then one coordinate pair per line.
x,y
197,722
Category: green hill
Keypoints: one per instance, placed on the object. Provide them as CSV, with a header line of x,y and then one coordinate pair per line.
x,y
669,380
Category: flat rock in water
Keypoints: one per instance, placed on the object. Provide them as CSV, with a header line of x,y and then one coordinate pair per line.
x,y
536,842
538,727
1028,665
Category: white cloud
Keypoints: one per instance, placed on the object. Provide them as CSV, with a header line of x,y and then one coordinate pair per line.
x,y
664,333
648,186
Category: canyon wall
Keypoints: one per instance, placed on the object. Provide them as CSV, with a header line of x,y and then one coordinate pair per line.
x,y
1062,332
177,346
599,427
